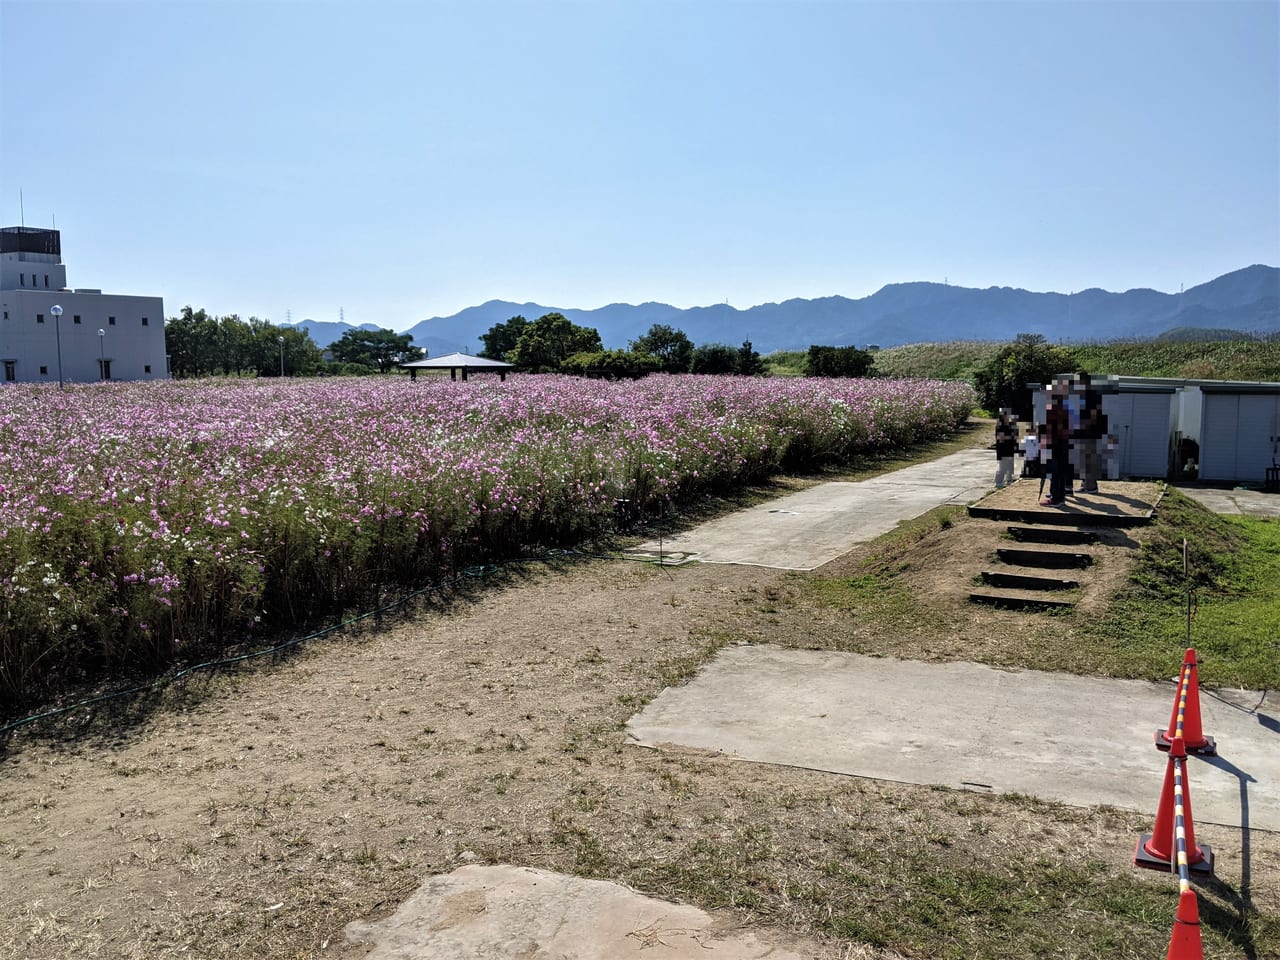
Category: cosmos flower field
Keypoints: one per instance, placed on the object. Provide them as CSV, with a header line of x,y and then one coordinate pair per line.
x,y
140,522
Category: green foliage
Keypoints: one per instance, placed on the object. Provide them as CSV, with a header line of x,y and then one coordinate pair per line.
x,y
338,368
837,362
382,349
502,338
550,340
612,365
714,358
672,347
720,360
1029,359
200,345
785,363
1234,584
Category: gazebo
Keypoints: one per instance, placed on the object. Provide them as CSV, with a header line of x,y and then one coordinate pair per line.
x,y
454,362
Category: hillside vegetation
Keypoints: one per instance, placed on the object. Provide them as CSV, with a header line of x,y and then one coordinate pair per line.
x,y
961,359
1206,360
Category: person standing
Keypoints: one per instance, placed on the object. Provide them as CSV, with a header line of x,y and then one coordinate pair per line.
x,y
1006,446
1058,427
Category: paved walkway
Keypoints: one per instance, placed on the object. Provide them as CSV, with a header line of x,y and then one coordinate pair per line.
x,y
804,530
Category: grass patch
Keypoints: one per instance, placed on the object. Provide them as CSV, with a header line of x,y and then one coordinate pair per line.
x,y
1234,582
902,874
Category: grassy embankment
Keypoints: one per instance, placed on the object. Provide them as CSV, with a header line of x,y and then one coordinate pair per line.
x,y
1234,583
960,359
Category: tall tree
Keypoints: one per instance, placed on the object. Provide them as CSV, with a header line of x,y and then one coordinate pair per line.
x,y
672,347
376,348
502,338
549,341
749,362
714,358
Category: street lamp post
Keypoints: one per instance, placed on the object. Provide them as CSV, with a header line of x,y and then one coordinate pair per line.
x,y
281,339
56,310
102,360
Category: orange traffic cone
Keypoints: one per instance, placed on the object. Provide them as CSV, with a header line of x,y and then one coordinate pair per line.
x,y
1186,700
1158,850
1185,943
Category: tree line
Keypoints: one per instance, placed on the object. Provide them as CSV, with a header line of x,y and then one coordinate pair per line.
x,y
554,344
201,345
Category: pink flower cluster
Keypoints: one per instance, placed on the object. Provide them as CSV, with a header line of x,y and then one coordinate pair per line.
x,y
154,514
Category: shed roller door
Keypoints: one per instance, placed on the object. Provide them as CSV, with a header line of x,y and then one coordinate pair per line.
x,y
1218,437
1141,424
1255,427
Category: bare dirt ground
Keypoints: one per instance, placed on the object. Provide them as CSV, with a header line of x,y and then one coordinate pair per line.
x,y
256,813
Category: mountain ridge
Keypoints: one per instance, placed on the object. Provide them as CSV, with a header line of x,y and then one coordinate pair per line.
x,y
919,311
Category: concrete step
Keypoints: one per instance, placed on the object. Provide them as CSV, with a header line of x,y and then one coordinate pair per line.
x,y
1055,559
1059,535
1016,602
1023,581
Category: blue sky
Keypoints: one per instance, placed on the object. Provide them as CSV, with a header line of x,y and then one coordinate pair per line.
x,y
405,160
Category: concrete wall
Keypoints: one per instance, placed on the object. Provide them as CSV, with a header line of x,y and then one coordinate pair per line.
x,y
135,350
32,271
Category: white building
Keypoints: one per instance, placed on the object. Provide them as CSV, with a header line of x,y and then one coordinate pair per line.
x,y
99,336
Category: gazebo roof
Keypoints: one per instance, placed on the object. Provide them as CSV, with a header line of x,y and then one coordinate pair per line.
x,y
455,361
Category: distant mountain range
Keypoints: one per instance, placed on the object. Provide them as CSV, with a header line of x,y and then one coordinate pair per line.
x,y
1246,300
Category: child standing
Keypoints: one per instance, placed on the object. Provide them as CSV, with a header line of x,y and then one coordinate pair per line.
x,y
1006,446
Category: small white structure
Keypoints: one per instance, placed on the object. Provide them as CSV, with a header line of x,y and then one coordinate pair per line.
x,y
453,362
97,336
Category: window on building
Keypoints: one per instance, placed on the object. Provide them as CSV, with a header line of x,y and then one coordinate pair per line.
x,y
146,368
46,281
111,321
22,279
11,370
144,321
39,318
6,314
44,371
76,318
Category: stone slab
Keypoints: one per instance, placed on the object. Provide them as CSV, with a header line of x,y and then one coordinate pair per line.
x,y
1079,740
518,913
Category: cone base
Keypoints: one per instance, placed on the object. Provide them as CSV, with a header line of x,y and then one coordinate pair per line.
x,y
1149,861
1206,749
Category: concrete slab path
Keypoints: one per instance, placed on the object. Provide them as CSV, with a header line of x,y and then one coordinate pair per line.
x,y
1254,503
804,530
1080,740
516,913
